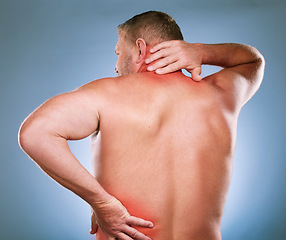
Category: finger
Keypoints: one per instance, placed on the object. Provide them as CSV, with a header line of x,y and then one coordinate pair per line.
x,y
168,69
123,236
196,74
139,222
161,45
94,226
162,63
93,229
157,55
135,234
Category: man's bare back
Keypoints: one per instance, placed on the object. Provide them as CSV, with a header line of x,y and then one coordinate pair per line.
x,y
166,147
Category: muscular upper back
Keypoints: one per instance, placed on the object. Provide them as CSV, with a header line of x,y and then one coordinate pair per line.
x,y
165,152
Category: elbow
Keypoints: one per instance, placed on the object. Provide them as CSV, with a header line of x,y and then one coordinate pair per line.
x,y
21,138
259,59
261,67
28,136
256,57
257,77
25,137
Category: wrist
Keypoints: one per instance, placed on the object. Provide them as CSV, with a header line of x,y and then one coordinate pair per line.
x,y
204,54
94,193
197,50
100,197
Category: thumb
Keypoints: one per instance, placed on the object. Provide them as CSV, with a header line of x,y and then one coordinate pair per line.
x,y
196,74
93,229
94,226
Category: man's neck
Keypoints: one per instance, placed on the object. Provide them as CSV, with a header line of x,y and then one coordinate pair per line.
x,y
143,68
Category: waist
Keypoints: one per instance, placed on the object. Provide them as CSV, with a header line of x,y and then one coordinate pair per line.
x,y
175,212
183,196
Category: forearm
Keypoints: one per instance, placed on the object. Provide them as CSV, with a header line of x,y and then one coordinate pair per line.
x,y
53,155
228,54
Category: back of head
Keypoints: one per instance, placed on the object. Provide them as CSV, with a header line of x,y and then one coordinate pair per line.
x,y
152,26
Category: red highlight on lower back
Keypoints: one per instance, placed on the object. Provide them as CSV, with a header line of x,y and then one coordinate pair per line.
x,y
139,210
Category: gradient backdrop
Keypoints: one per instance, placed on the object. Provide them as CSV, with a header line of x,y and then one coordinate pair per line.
x,y
53,46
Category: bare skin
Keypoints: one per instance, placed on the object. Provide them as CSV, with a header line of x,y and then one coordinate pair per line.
x,y
166,147
166,142
166,153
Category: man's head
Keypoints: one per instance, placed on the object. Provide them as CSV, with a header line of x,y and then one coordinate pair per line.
x,y
138,34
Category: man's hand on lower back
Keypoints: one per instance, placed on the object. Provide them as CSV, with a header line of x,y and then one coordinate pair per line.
x,y
115,222
175,55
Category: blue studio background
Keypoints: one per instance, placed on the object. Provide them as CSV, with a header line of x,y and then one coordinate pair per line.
x,y
48,47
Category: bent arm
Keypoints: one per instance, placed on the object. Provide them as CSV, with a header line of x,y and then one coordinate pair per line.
x,y
44,134
243,65
227,55
242,73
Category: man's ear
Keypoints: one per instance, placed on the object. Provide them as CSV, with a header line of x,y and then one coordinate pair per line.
x,y
142,48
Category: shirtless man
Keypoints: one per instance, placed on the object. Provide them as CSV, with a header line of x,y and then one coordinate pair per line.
x,y
162,144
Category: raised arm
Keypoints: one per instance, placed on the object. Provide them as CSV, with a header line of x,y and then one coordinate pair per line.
x,y
243,65
43,136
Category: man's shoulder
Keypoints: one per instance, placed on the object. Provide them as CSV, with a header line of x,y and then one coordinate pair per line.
x,y
100,86
109,86
108,82
101,82
146,81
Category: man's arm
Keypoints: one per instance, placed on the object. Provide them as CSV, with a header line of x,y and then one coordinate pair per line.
x,y
243,66
43,136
